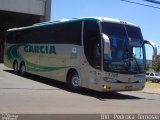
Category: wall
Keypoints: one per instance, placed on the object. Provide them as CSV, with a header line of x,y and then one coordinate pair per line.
x,y
19,13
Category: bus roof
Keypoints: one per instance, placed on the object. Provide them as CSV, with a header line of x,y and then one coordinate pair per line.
x,y
102,19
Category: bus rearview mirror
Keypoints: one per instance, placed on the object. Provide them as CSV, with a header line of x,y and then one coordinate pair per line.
x,y
154,47
106,42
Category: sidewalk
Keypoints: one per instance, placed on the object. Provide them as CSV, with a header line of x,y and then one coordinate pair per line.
x,y
151,90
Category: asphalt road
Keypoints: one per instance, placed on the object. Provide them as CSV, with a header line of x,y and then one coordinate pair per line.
x,y
34,94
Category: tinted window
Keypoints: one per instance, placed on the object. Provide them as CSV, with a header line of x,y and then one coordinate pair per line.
x,y
157,74
113,29
92,43
151,74
66,33
69,33
134,32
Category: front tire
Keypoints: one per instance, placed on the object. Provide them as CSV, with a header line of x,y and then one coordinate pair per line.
x,y
73,81
23,69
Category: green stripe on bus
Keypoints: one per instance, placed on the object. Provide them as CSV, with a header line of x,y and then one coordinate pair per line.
x,y
13,54
39,68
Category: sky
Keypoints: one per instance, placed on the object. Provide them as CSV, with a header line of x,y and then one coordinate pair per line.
x,y
147,18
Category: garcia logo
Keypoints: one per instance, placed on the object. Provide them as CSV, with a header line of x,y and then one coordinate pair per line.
x,y
40,49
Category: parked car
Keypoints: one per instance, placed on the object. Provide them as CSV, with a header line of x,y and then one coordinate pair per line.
x,y
154,77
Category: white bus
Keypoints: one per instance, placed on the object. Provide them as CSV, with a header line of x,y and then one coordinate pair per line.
x,y
98,53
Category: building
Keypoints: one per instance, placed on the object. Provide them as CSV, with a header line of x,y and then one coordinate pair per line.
x,y
19,13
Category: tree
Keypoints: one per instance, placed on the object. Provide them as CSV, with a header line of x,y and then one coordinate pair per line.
x,y
156,65
147,67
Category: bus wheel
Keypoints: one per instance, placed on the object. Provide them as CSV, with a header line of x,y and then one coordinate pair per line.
x,y
22,69
73,81
15,67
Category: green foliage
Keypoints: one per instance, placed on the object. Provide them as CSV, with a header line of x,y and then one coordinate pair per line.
x,y
156,65
147,67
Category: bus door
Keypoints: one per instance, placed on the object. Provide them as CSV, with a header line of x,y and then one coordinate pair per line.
x,y
92,50
95,70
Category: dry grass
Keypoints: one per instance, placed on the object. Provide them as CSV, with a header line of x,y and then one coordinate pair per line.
x,y
150,84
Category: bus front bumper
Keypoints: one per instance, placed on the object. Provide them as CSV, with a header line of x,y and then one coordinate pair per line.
x,y
122,87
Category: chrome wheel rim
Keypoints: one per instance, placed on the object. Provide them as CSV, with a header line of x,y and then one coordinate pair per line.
x,y
75,81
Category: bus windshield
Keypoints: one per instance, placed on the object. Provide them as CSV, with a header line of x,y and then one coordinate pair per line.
x,y
127,54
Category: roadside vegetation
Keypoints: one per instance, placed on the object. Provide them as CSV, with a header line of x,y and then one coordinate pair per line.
x,y
156,65
151,85
155,68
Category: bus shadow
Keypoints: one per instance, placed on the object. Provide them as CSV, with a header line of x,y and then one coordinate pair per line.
x,y
103,96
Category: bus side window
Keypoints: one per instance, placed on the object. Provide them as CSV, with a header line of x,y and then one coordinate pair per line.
x,y
92,43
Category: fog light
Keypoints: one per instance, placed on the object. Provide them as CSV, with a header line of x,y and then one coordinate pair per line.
x,y
105,87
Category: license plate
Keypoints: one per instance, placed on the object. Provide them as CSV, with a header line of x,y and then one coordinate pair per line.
x,y
128,87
